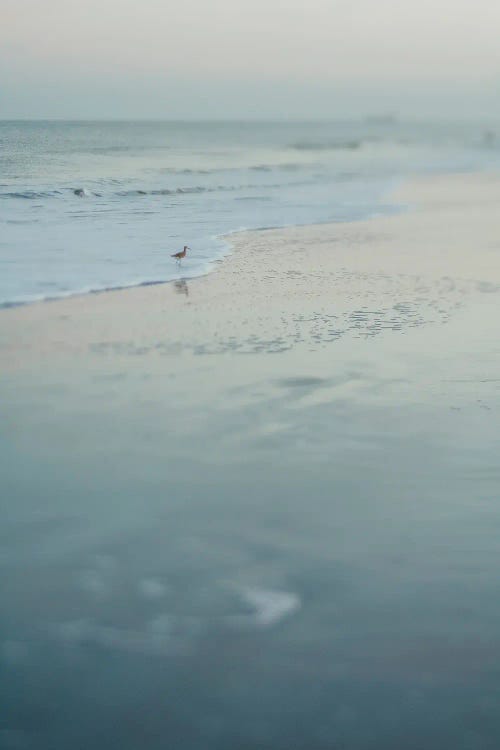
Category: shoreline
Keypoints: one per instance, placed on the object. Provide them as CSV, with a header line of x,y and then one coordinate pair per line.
x,y
226,239
399,197
299,266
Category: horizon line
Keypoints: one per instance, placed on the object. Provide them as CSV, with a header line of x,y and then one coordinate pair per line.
x,y
368,118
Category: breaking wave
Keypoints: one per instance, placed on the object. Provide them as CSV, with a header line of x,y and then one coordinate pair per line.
x,y
82,192
31,194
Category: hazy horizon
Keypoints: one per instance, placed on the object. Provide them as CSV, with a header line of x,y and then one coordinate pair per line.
x,y
415,119
118,59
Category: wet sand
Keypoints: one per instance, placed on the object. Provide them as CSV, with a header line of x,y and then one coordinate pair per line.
x,y
260,509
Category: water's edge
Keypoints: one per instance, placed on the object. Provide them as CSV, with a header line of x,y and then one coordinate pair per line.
x,y
392,208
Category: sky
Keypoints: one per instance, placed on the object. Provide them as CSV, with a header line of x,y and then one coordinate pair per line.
x,y
215,59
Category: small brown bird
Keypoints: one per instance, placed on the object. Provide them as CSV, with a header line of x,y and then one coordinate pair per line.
x,y
181,254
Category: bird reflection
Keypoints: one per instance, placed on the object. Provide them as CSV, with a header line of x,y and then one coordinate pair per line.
x,y
181,287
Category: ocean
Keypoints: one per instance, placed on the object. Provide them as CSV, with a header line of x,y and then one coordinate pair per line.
x,y
90,206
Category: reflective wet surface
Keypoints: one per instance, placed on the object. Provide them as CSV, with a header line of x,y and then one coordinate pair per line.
x,y
289,550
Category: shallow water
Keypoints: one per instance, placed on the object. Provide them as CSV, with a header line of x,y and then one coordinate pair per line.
x,y
258,551
92,205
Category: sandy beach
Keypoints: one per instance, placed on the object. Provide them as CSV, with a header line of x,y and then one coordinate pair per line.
x,y
270,493
288,289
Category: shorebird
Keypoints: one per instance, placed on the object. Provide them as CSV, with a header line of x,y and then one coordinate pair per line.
x,y
181,254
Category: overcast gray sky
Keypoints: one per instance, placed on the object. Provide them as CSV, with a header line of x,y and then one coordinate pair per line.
x,y
244,58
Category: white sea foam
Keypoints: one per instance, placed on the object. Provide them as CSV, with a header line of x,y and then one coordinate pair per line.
x,y
270,607
164,632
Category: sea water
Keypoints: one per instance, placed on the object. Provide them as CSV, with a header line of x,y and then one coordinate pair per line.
x,y
89,206
281,566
